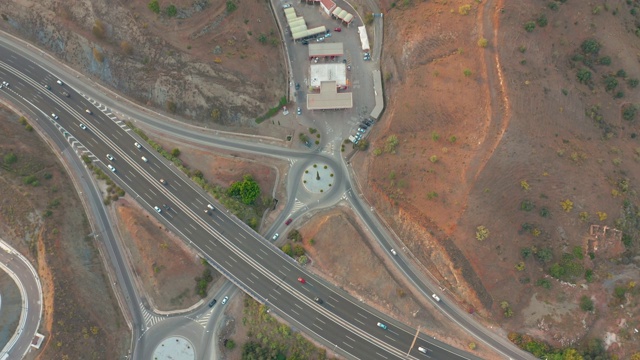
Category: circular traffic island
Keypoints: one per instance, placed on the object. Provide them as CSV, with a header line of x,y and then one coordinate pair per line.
x,y
318,178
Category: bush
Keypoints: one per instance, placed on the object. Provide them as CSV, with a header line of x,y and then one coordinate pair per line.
x,y
525,252
467,72
230,344
632,83
584,75
544,283
298,250
368,18
154,6
605,60
590,46
586,304
98,55
390,144
482,233
464,9
542,20
610,83
287,250
482,42
99,30
126,47
629,113
621,73
10,158
567,205
529,26
527,205
175,152
171,106
553,5
544,255
231,6
31,180
246,190
171,10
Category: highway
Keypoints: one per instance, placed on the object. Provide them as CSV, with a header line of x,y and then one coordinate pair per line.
x,y
254,264
240,253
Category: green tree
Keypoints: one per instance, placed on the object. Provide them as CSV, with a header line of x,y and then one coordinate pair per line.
x,y
154,6
298,250
171,10
368,18
287,249
529,26
246,190
231,6
586,304
230,344
584,75
10,158
590,46
175,152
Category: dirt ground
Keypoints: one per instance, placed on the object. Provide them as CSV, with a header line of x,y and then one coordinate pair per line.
x,y
518,114
46,222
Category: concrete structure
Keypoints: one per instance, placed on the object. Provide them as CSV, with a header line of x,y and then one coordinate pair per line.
x,y
342,15
348,19
297,22
327,6
325,49
364,39
309,33
329,98
379,96
319,73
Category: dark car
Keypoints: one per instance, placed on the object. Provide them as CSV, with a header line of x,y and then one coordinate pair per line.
x,y
66,94
305,42
213,302
297,86
288,221
318,300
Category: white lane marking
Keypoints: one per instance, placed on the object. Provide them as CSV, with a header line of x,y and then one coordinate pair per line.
x,y
261,249
298,306
390,338
316,325
207,246
362,315
232,258
344,343
254,275
277,291
350,338
332,298
187,230
282,272
293,311
226,262
242,236
251,281
358,321
258,255
381,355
194,228
321,321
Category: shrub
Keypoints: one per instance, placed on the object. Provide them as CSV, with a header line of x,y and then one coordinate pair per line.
x,y
390,144
553,5
524,185
432,195
287,249
231,6
544,283
10,158
545,213
230,344
605,60
482,42
467,72
154,6
529,26
621,73
610,83
567,205
584,75
602,215
435,136
171,106
520,266
525,252
482,233
544,255
588,275
527,205
368,18
246,190
298,250
433,159
99,30
542,20
590,46
629,112
98,55
632,83
126,47
619,292
586,304
175,152
452,139
171,10
464,9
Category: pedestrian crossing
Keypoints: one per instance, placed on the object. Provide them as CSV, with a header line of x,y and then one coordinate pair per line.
x,y
150,319
297,205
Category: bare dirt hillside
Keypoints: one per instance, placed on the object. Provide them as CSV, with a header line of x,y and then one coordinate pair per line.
x,y
516,124
206,63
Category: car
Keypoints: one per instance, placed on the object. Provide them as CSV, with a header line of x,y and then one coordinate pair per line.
x,y
422,350
163,181
88,111
211,207
302,280
64,93
110,157
288,221
6,84
436,297
158,210
299,111
165,206
54,116
213,302
82,126
275,236
337,29
111,167
328,35
297,86
393,251
318,300
286,6
305,42
144,159
47,87
224,301
320,39
344,61
360,130
138,145
368,122
285,111
382,326
348,67
60,82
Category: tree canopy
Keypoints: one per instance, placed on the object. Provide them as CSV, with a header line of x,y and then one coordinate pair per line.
x,y
246,190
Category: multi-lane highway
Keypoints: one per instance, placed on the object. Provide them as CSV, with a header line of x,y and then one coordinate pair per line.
x,y
254,264
342,323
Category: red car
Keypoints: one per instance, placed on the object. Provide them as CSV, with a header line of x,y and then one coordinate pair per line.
x,y
302,280
337,29
288,221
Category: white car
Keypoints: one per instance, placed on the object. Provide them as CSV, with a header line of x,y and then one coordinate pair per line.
x,y
138,145
54,116
210,207
60,82
88,112
422,350
436,297
158,210
224,301
275,236
113,169
82,126
6,84
109,157
144,159
285,111
393,252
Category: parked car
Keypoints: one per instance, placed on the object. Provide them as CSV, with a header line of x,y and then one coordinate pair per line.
x,y
305,42
337,29
302,280
348,67
382,326
299,111
285,111
328,35
288,221
286,6
297,86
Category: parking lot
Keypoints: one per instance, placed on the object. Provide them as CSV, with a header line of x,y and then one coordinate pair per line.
x,y
336,125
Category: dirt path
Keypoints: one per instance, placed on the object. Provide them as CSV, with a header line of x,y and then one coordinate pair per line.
x,y
498,111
